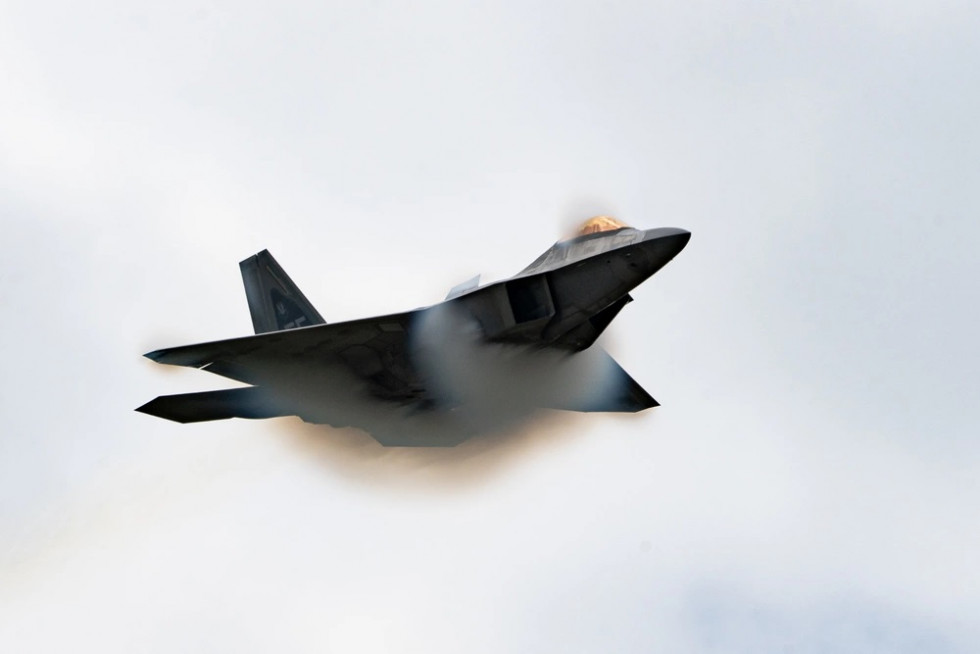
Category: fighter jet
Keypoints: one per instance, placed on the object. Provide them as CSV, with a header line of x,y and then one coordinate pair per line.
x,y
295,362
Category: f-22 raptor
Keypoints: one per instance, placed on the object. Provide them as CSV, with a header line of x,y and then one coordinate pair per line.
x,y
559,304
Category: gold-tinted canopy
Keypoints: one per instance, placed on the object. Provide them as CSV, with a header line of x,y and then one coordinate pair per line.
x,y
599,224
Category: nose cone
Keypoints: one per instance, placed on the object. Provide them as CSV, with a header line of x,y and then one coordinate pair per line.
x,y
667,242
663,244
675,235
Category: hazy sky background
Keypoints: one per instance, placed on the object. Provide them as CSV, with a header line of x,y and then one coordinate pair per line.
x,y
810,483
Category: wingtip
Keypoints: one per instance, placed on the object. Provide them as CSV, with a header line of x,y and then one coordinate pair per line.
x,y
643,401
149,407
158,408
155,355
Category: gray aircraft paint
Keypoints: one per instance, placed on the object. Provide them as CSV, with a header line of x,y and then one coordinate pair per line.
x,y
546,315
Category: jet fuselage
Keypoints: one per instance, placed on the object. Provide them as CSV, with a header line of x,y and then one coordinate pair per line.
x,y
296,364
571,293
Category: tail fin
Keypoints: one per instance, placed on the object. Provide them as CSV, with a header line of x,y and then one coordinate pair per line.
x,y
273,299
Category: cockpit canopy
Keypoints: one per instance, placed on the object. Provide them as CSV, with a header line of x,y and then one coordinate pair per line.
x,y
598,224
595,235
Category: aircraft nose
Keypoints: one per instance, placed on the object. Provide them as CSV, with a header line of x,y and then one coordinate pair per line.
x,y
668,240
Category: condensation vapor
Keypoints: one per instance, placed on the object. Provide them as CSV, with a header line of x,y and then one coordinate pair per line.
x,y
491,400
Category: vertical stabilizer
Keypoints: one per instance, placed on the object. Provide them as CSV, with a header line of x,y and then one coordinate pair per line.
x,y
274,300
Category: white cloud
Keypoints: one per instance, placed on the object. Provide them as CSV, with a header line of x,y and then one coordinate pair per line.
x,y
808,481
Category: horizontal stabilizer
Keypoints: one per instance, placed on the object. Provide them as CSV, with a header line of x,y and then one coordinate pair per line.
x,y
250,402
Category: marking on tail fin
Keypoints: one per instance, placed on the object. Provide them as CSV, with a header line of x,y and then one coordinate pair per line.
x,y
274,300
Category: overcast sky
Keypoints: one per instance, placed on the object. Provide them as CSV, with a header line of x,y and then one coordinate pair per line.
x,y
810,482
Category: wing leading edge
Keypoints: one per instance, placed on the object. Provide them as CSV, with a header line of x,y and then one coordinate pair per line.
x,y
289,343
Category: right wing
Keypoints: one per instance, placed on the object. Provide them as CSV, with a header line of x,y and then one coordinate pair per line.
x,y
619,394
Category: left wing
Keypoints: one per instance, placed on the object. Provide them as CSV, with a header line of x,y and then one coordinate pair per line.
x,y
373,349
